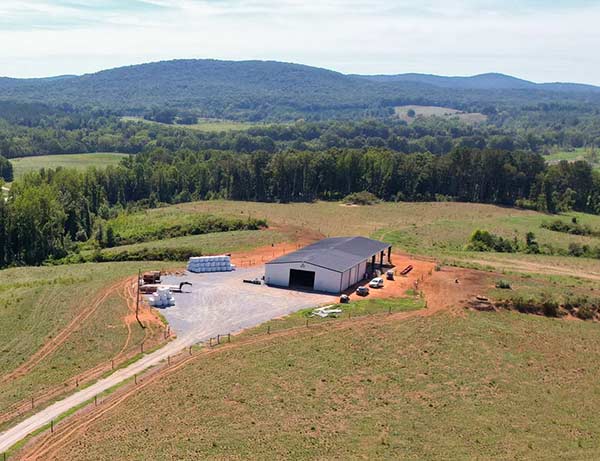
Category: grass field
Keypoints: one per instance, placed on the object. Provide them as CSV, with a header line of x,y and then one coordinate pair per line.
x,y
38,306
207,244
571,156
479,386
206,125
23,165
435,111
439,230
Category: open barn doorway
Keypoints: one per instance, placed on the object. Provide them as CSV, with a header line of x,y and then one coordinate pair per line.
x,y
302,279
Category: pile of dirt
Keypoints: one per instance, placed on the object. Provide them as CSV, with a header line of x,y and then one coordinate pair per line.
x,y
481,304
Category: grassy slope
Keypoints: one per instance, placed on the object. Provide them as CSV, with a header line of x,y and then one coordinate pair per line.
x,y
483,386
431,111
25,165
39,302
208,244
436,229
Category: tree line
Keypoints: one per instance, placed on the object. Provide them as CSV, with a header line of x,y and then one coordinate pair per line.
x,y
46,212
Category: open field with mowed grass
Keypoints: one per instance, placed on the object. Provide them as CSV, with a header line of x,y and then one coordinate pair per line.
x,y
206,125
204,244
570,156
436,111
478,386
39,304
23,165
439,230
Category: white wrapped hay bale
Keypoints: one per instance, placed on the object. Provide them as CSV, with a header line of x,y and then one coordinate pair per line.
x,y
199,264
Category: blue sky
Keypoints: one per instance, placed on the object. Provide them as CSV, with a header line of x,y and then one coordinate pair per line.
x,y
535,39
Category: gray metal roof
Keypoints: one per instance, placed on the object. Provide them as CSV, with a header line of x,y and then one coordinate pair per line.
x,y
338,254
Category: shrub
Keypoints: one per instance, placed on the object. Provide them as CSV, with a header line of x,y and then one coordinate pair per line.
x,y
503,285
585,313
361,198
482,240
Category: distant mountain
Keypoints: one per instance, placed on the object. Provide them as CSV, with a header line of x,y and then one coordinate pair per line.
x,y
490,81
269,90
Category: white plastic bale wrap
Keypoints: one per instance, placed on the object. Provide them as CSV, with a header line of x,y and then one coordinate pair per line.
x,y
210,264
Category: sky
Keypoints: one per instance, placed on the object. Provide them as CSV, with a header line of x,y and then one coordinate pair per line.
x,y
540,40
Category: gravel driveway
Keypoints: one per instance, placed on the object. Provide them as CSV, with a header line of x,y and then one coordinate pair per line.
x,y
220,303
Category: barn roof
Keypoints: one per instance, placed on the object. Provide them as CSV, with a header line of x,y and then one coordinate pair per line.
x,y
338,254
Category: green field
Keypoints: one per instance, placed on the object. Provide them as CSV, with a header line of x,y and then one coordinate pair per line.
x,y
440,230
205,125
582,153
435,111
38,303
482,386
205,244
23,165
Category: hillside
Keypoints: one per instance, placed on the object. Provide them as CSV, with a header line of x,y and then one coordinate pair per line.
x,y
261,90
490,81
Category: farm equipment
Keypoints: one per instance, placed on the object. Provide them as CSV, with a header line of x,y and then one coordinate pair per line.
x,y
256,281
389,274
407,270
151,277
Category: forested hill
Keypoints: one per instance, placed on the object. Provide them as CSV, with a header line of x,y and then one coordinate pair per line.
x,y
267,90
491,81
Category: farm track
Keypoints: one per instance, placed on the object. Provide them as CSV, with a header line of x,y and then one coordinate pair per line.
x,y
127,292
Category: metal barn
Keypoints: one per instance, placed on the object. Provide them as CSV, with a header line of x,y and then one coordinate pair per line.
x,y
330,265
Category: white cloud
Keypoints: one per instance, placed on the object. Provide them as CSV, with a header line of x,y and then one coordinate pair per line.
x,y
356,36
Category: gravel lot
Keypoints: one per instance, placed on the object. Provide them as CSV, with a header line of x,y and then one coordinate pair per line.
x,y
220,303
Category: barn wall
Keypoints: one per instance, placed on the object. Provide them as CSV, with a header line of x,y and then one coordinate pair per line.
x,y
325,279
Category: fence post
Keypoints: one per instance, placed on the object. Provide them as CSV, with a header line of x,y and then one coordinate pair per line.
x,y
306,323
389,309
52,426
168,360
268,329
96,400
112,364
190,350
209,342
31,402
228,337
218,339
135,379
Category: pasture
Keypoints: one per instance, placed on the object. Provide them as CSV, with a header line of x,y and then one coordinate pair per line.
x,y
439,230
583,153
207,125
401,112
65,323
23,165
485,386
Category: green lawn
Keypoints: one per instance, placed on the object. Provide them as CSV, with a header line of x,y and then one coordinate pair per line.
x,y
23,165
480,386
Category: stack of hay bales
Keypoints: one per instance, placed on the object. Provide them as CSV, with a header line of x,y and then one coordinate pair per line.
x,y
210,264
